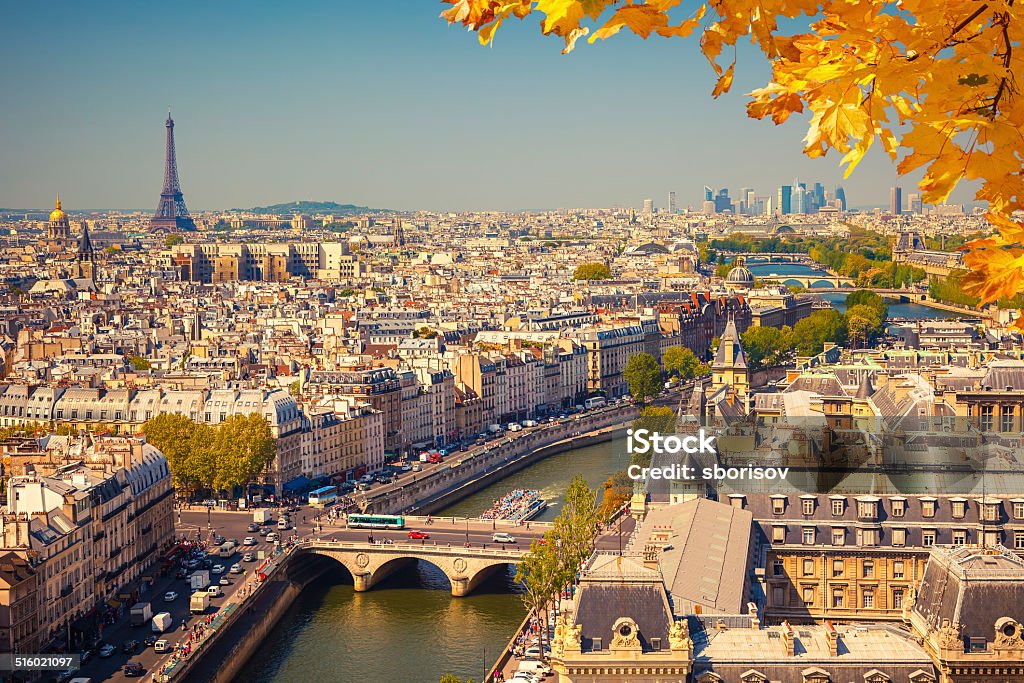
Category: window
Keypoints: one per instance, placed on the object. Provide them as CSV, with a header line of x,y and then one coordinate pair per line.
x,y
1018,509
808,567
838,507
899,537
779,595
867,537
897,569
808,535
1006,418
927,508
808,506
777,568
1018,540
866,508
838,567
808,595
839,537
959,509
838,595
928,537
897,598
868,569
959,537
778,534
869,598
778,505
986,418
990,512
899,508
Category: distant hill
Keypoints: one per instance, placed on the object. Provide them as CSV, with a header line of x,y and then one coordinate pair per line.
x,y
307,206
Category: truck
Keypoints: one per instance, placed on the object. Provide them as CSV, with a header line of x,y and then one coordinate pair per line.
x,y
162,622
199,602
261,516
200,579
141,613
494,428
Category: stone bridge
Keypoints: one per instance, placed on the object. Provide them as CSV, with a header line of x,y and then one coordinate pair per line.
x,y
370,563
809,281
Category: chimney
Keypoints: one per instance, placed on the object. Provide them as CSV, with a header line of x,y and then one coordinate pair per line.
x,y
755,621
832,637
790,639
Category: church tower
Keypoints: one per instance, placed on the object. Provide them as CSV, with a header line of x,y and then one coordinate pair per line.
x,y
730,366
58,231
85,258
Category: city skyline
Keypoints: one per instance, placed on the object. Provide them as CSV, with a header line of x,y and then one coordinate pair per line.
x,y
298,115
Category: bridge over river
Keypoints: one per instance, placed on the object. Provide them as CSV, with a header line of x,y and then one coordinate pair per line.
x,y
464,549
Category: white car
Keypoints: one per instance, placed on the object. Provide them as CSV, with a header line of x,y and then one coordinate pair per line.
x,y
236,568
503,537
248,557
170,596
217,569
249,540
162,646
224,581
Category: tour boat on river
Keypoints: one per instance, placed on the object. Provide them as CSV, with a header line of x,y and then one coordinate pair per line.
x,y
518,505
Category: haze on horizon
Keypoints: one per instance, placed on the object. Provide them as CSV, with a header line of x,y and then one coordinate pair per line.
x,y
377,104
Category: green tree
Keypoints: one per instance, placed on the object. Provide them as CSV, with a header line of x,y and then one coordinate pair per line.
x,y
295,388
868,298
767,346
679,361
644,376
452,678
172,240
173,434
139,363
592,271
244,447
811,333
863,323
347,292
654,419
539,571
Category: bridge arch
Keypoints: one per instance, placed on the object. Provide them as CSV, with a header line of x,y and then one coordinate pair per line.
x,y
369,564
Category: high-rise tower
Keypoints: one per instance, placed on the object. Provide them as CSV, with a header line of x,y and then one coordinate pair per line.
x,y
171,213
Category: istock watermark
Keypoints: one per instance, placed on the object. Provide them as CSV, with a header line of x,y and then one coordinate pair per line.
x,y
647,442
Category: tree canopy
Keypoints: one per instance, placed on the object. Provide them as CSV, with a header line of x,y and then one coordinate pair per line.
x,y
592,271
644,376
932,82
811,333
681,362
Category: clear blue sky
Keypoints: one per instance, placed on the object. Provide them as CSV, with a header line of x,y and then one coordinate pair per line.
x,y
378,103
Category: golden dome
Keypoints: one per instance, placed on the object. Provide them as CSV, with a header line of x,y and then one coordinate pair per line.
x,y
57,214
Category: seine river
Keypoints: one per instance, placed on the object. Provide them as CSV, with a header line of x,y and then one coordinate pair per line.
x,y
838,299
409,628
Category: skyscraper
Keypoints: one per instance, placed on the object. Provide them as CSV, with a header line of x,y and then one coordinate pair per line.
x,y
723,202
819,195
648,206
171,213
709,194
798,197
841,196
896,200
914,203
672,202
785,204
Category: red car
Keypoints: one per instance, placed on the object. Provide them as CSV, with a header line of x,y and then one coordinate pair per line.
x,y
418,534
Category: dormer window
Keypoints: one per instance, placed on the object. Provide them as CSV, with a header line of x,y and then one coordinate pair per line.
x,y
807,505
927,507
778,504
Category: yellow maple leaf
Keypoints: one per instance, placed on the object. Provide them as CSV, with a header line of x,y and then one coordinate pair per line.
x,y
724,82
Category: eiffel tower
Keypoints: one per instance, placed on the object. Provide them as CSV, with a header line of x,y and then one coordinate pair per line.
x,y
171,214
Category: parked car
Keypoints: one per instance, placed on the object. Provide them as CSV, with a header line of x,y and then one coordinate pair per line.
x,y
129,647
218,539
224,581
503,537
107,650
149,641
170,596
217,569
253,526
415,533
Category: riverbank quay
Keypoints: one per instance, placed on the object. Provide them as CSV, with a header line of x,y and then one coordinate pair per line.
x,y
238,638
465,473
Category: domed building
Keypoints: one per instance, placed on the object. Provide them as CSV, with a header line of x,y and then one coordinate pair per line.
x,y
58,230
740,276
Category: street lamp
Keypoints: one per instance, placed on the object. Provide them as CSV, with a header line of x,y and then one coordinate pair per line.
x,y
467,531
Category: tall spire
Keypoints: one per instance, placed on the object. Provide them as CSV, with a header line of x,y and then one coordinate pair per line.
x,y
171,212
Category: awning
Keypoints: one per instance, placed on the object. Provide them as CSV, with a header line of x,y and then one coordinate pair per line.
x,y
297,484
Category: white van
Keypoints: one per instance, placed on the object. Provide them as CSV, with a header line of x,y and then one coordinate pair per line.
x,y
283,524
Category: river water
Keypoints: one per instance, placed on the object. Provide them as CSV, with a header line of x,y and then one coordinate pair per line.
x,y
838,299
408,628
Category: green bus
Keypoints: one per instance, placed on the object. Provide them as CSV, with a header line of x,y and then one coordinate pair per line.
x,y
376,521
